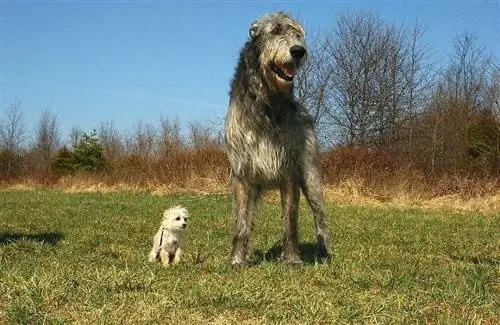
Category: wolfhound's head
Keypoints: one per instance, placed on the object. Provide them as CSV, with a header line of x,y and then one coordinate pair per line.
x,y
281,46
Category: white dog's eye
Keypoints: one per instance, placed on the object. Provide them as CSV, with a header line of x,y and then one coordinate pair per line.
x,y
178,218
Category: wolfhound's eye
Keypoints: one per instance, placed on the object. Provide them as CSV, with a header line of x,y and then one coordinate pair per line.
x,y
178,218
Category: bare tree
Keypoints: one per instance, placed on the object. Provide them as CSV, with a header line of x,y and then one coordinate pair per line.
x,y
47,138
110,138
379,75
312,88
141,141
462,112
365,81
493,101
202,135
465,81
75,135
430,137
419,80
356,53
313,80
493,93
466,75
12,129
170,136
12,139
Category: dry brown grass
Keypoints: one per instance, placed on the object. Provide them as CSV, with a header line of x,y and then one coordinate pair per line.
x,y
349,192
352,176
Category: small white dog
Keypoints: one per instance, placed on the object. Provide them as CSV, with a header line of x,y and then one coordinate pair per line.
x,y
167,242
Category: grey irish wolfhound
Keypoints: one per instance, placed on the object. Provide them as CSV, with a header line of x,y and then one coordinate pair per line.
x,y
270,139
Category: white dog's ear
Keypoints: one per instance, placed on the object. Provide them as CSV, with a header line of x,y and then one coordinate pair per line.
x,y
183,210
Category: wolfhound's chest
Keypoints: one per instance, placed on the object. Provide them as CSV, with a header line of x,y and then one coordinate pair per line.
x,y
269,156
265,158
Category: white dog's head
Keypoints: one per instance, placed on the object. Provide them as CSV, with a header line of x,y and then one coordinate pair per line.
x,y
175,218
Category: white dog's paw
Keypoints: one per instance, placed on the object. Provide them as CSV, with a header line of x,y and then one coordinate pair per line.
x,y
177,256
153,256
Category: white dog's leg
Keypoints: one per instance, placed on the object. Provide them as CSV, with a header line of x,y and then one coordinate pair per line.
x,y
164,257
153,255
177,256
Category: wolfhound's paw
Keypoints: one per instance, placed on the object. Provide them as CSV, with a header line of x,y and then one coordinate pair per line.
x,y
323,253
237,264
323,256
291,259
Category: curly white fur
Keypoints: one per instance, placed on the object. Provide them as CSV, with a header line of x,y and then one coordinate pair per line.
x,y
168,240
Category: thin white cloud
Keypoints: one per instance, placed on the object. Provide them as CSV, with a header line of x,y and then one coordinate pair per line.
x,y
122,93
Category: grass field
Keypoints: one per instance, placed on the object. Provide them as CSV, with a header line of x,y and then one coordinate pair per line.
x,y
81,258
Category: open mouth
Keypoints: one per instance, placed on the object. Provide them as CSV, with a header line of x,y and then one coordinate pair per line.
x,y
284,71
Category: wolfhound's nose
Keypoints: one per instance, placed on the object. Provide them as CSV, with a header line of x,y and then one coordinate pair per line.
x,y
297,51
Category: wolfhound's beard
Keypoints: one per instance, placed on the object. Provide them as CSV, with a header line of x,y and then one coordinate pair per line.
x,y
278,66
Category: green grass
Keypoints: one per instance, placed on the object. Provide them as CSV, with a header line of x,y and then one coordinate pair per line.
x,y
82,258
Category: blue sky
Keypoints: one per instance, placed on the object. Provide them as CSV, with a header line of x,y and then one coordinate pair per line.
x,y
121,61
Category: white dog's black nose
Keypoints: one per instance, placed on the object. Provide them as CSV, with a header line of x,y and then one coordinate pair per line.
x,y
184,225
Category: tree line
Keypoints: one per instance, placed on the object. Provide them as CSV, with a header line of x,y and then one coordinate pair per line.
x,y
371,87
373,84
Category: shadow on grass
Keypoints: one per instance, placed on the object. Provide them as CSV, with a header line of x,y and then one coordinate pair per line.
x,y
51,238
308,254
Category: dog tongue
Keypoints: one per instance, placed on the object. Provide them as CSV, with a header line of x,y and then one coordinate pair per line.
x,y
289,71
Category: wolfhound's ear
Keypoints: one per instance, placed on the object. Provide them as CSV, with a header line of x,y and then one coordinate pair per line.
x,y
254,29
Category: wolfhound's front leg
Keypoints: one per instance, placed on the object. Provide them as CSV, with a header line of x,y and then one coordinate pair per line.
x,y
290,196
312,188
313,191
245,199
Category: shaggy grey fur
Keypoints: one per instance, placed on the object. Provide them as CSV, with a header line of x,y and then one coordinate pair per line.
x,y
270,139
